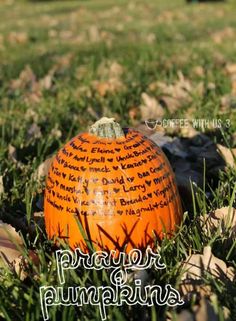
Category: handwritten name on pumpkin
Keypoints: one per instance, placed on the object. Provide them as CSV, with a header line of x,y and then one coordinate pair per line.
x,y
73,182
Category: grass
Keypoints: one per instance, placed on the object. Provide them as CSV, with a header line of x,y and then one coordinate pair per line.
x,y
152,41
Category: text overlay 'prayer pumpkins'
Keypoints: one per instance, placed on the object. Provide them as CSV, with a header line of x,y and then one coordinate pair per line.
x,y
118,184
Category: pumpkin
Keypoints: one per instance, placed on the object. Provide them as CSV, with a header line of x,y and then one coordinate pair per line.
x,y
114,183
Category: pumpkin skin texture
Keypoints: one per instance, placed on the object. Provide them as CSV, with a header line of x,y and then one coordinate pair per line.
x,y
122,190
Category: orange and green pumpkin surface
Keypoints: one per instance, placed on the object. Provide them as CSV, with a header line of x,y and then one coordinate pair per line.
x,y
118,184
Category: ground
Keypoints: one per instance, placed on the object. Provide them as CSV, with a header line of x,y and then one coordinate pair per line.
x,y
63,65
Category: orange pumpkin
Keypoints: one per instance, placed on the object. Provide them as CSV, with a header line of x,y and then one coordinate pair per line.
x,y
118,184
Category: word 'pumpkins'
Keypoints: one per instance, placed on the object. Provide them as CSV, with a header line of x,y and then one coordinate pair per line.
x,y
116,184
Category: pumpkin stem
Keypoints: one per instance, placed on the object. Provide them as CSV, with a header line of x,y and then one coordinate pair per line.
x,y
107,128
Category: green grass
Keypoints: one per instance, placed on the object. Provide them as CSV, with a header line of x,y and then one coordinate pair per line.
x,y
97,32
